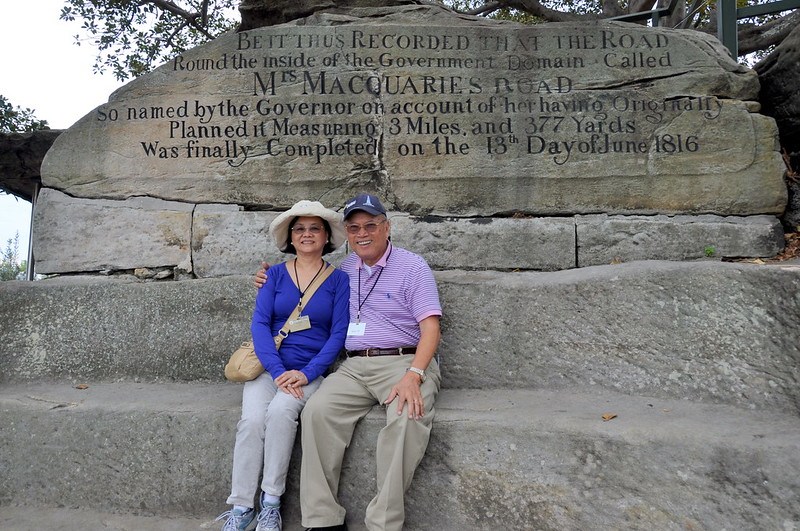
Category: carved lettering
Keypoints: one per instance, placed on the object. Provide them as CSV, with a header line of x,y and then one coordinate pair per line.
x,y
312,94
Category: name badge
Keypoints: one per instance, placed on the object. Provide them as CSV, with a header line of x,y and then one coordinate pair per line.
x,y
301,323
356,329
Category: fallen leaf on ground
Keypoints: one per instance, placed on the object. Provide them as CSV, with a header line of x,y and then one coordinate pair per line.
x,y
609,416
81,386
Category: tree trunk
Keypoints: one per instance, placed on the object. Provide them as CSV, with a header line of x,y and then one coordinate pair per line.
x,y
780,88
21,157
259,13
780,98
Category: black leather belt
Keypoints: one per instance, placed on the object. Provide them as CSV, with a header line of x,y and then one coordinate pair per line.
x,y
382,352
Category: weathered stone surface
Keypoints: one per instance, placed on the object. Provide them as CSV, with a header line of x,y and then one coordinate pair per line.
x,y
544,244
704,331
498,459
103,328
604,239
695,330
440,114
74,234
227,241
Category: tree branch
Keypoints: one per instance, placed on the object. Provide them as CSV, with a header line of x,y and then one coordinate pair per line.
x,y
695,7
637,6
189,17
535,8
166,5
485,9
753,37
204,11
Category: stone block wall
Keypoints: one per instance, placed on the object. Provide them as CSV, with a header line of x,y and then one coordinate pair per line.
x,y
203,241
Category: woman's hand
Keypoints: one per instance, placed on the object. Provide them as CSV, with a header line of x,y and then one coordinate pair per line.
x,y
292,382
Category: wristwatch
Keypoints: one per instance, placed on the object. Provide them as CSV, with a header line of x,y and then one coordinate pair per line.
x,y
418,371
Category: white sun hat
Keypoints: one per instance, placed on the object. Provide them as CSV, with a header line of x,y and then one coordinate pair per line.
x,y
279,228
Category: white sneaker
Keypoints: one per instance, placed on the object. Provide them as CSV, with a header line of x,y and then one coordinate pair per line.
x,y
269,518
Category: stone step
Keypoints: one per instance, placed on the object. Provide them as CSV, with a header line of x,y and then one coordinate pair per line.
x,y
510,459
29,518
704,331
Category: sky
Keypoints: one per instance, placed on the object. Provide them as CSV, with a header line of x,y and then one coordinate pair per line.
x,y
42,69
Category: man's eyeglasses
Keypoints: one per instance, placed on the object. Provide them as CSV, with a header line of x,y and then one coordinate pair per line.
x,y
355,228
300,229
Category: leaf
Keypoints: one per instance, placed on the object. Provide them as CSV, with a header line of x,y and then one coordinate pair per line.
x,y
81,386
608,416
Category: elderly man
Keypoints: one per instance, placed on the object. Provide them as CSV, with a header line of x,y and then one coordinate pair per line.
x,y
391,342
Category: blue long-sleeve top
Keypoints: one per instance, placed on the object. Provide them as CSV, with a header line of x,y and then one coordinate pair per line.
x,y
310,351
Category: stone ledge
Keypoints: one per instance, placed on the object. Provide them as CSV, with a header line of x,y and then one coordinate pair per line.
x,y
28,517
708,331
74,235
603,239
496,458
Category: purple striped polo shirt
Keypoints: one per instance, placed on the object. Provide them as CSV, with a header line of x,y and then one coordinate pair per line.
x,y
404,295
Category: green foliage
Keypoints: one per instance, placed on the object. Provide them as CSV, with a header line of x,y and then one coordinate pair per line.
x,y
18,120
709,251
134,37
10,266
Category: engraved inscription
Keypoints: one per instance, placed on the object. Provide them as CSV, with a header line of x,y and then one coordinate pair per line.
x,y
319,94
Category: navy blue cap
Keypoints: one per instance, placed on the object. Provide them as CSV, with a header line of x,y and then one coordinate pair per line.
x,y
366,202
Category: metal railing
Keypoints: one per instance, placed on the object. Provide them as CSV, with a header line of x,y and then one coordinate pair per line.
x,y
728,16
654,14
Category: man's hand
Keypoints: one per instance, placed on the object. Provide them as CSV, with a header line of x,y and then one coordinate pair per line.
x,y
407,390
261,276
292,382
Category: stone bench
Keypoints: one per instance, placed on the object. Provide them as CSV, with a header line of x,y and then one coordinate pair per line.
x,y
706,331
517,459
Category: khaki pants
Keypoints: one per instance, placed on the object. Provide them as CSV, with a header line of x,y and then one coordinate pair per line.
x,y
328,421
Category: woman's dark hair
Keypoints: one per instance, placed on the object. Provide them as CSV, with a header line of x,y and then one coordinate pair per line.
x,y
325,250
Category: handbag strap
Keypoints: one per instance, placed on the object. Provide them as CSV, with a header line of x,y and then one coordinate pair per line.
x,y
284,331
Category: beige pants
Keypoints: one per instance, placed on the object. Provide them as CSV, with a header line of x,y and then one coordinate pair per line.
x,y
328,421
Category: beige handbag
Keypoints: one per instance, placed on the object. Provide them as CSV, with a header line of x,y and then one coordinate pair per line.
x,y
244,365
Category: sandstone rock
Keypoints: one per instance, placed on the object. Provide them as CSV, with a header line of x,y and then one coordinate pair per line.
x,y
697,331
604,239
545,244
227,241
438,113
74,234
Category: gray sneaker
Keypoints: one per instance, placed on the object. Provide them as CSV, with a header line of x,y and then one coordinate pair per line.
x,y
237,520
269,519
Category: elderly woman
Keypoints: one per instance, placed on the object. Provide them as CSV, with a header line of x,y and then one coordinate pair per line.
x,y
272,402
